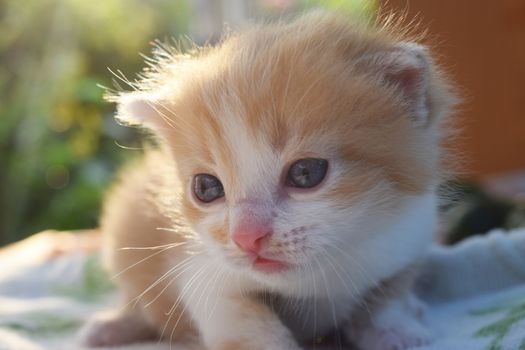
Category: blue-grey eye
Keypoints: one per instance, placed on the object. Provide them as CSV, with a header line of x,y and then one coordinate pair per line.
x,y
307,172
207,188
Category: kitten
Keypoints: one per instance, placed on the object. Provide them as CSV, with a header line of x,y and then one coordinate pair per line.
x,y
293,191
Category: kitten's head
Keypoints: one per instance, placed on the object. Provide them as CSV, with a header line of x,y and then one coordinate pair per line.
x,y
299,142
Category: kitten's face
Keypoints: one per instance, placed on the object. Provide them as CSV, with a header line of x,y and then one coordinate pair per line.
x,y
280,173
293,157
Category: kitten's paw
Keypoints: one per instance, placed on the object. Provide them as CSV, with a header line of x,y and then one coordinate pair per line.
x,y
116,328
270,344
243,345
415,307
392,339
397,327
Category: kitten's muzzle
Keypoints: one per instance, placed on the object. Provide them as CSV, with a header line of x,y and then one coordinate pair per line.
x,y
251,238
252,225
252,241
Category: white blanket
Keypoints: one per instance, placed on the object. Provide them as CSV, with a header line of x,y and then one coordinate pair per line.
x,y
475,292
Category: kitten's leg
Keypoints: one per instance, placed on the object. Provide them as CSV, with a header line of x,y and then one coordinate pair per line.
x,y
237,322
117,327
397,325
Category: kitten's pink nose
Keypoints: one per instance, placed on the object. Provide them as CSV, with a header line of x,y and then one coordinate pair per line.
x,y
250,239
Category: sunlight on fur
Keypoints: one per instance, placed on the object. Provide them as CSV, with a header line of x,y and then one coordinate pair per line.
x,y
292,192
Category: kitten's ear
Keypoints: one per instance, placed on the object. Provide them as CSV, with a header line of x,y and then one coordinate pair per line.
x,y
141,108
406,67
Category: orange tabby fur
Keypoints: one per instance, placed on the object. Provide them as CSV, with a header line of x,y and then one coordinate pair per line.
x,y
288,91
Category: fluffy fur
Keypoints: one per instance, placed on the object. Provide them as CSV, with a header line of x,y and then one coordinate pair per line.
x,y
363,97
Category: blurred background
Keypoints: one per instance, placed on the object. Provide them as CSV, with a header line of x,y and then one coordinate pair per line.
x,y
60,147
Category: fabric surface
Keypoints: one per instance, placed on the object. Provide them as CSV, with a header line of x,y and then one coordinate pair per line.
x,y
51,283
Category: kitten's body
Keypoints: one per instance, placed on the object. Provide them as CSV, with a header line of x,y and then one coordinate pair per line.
x,y
337,255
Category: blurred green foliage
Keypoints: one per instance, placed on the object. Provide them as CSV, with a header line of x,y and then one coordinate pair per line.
x,y
355,7
58,149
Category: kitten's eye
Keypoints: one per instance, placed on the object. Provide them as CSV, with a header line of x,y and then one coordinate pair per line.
x,y
207,188
307,172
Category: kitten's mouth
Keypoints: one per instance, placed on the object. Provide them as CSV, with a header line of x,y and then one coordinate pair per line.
x,y
269,265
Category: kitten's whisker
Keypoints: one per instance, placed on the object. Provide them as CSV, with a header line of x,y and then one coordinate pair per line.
x,y
170,245
223,287
160,279
169,229
185,289
355,296
314,295
299,306
331,263
127,147
186,267
179,299
349,256
182,231
214,281
361,270
207,286
335,264
141,261
206,273
328,294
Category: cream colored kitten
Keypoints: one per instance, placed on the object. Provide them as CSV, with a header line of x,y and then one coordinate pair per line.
x,y
293,191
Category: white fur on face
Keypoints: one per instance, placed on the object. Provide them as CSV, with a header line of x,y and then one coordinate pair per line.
x,y
344,101
348,244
